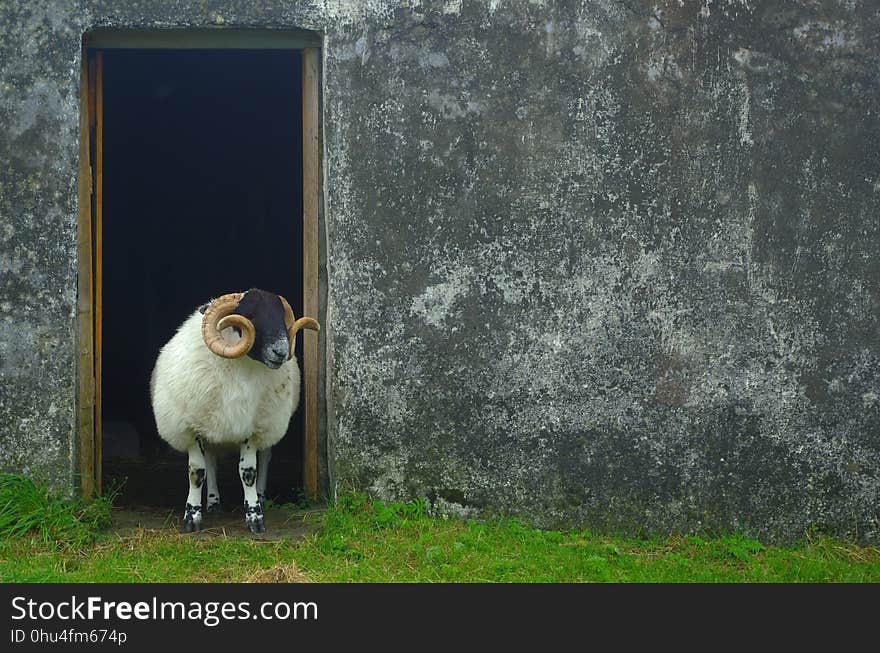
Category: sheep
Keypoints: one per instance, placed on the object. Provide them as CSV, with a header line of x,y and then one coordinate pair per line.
x,y
228,377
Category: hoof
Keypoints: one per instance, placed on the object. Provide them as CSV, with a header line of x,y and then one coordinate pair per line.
x,y
191,525
253,518
192,519
256,526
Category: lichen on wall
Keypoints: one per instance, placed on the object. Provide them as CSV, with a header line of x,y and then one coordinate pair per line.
x,y
608,262
38,145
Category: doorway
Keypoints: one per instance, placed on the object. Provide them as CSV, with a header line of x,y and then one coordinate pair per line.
x,y
201,162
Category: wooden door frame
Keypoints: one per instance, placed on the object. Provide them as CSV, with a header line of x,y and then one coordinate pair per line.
x,y
90,221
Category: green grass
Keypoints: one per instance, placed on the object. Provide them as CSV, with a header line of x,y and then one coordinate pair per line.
x,y
365,541
28,508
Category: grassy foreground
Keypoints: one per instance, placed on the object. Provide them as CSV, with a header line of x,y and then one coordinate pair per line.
x,y
365,541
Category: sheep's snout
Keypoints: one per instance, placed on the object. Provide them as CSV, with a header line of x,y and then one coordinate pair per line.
x,y
275,353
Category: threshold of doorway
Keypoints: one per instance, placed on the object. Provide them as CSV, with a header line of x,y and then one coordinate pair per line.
x,y
282,523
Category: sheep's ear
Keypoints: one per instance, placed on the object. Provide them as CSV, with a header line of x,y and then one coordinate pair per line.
x,y
204,307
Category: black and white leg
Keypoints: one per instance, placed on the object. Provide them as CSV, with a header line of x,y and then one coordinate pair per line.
x,y
247,470
211,475
263,458
192,516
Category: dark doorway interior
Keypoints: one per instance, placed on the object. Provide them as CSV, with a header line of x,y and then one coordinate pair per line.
x,y
202,196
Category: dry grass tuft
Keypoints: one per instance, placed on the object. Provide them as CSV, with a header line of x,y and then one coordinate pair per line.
x,y
280,573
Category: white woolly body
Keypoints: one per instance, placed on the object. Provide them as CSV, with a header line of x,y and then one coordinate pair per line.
x,y
225,401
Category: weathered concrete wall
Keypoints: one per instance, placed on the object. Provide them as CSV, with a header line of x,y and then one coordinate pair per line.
x,y
39,113
605,262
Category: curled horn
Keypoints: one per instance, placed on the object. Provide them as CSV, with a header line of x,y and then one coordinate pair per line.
x,y
218,316
293,325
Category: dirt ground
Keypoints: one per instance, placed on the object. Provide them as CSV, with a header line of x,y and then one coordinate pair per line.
x,y
281,523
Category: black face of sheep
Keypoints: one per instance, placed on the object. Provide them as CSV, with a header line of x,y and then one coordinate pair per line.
x,y
266,312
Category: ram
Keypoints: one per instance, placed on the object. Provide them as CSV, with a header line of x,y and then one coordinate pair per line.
x,y
229,378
